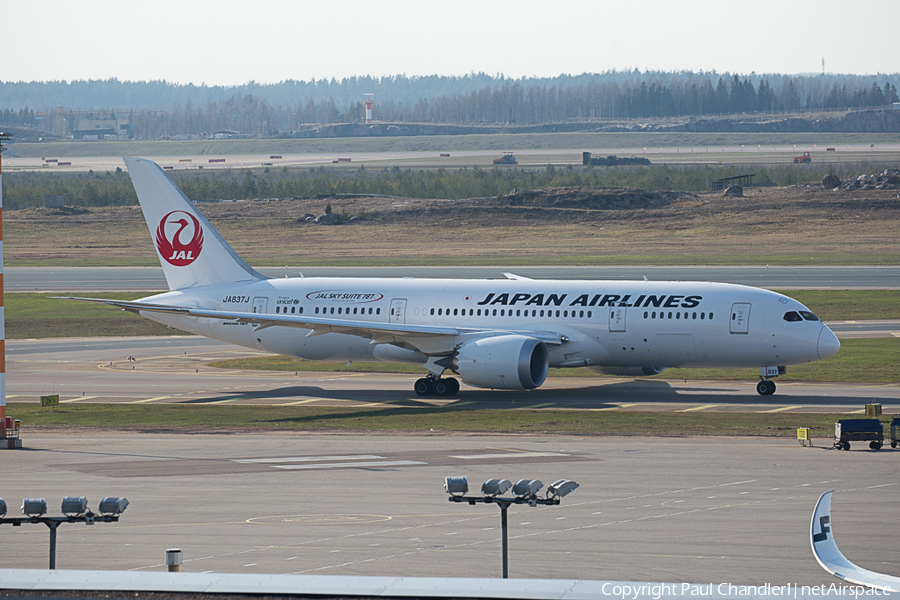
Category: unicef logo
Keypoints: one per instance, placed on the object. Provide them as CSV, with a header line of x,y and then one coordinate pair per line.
x,y
171,234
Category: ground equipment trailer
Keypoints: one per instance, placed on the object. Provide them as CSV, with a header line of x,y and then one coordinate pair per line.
x,y
858,430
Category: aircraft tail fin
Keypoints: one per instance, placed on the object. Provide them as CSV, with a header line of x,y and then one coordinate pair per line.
x,y
190,250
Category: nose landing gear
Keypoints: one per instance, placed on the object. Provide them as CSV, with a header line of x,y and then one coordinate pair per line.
x,y
765,387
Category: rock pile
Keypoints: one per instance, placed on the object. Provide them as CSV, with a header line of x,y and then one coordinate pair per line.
x,y
888,180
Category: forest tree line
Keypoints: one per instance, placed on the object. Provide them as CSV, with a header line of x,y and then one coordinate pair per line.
x,y
292,106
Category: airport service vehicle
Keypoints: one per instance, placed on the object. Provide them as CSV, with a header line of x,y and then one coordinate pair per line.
x,y
803,158
858,430
507,158
491,333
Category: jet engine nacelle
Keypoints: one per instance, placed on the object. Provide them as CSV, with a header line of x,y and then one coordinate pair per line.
x,y
511,362
628,371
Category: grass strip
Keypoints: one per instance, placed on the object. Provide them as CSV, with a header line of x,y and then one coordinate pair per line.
x,y
30,315
872,360
410,416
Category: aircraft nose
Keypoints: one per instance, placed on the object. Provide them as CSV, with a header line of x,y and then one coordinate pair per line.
x,y
828,343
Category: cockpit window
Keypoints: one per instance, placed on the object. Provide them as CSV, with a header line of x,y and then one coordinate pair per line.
x,y
808,315
792,317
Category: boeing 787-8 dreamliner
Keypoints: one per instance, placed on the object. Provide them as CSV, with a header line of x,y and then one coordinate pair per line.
x,y
490,333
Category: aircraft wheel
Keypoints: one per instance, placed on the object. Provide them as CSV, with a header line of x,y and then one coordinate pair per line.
x,y
454,386
846,445
423,387
441,388
765,388
893,444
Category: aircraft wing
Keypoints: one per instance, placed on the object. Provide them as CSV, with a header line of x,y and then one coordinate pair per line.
x,y
821,539
416,336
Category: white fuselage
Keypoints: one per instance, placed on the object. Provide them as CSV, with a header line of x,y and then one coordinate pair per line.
x,y
605,323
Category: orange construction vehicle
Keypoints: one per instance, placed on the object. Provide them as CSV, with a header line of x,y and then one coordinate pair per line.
x,y
803,158
508,158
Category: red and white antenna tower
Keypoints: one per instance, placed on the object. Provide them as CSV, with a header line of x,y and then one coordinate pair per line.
x,y
370,102
3,428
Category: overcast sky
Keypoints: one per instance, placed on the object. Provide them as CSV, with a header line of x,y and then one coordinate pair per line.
x,y
228,42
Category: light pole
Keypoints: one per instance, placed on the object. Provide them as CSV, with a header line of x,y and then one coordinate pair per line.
x,y
524,492
75,510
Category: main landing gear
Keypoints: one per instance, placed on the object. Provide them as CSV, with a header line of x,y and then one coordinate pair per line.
x,y
765,387
434,385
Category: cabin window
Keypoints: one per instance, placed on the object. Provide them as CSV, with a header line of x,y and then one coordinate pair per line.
x,y
565,313
494,314
710,316
518,313
678,315
645,314
332,310
589,314
580,314
317,310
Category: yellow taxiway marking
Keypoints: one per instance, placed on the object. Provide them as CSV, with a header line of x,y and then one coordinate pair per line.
x,y
780,409
617,406
151,399
704,407
77,399
300,402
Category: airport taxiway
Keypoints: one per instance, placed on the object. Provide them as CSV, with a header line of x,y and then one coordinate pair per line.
x,y
170,369
706,510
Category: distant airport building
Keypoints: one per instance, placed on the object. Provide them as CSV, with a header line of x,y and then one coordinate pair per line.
x,y
107,127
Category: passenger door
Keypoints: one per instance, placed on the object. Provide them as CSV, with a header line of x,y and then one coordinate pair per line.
x,y
740,317
617,318
398,311
259,305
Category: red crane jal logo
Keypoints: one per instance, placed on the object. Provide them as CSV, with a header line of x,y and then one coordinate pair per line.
x,y
170,235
